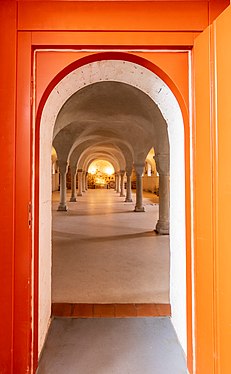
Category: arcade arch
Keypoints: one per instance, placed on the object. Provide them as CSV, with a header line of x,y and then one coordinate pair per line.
x,y
150,95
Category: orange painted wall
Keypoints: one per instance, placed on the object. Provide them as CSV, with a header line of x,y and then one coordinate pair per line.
x,y
7,147
212,157
113,15
203,206
49,64
157,24
222,189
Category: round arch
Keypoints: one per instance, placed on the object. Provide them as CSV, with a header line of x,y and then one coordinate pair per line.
x,y
141,73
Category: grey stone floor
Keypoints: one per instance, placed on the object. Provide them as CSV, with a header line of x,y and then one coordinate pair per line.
x,y
103,252
112,346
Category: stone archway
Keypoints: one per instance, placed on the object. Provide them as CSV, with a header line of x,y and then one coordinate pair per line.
x,y
129,73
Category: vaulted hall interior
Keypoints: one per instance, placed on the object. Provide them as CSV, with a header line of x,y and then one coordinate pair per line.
x,y
117,156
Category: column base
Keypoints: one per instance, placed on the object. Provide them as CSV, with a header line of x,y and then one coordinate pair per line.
x,y
62,208
137,209
122,195
79,194
162,228
73,199
128,200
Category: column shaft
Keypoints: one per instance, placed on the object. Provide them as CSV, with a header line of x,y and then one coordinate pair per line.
x,y
129,189
80,184
162,226
139,189
86,181
118,183
73,185
63,170
83,181
122,185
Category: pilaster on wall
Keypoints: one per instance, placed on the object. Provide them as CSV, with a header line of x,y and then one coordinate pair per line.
x,y
222,188
7,147
203,195
23,250
212,181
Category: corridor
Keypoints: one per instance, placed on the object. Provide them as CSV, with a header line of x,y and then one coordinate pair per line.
x,y
103,252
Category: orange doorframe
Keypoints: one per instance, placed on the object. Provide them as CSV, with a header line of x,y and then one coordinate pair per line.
x,y
149,65
25,25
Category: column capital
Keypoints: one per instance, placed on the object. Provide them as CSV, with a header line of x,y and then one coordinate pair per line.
x,y
129,171
162,163
62,166
80,170
122,172
139,168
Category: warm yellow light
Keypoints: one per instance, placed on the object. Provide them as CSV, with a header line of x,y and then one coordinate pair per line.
x,y
101,166
109,170
92,170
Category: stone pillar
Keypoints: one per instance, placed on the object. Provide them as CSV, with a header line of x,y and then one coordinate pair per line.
x,y
122,183
86,181
139,188
63,171
73,184
129,187
162,166
115,182
83,181
80,183
118,183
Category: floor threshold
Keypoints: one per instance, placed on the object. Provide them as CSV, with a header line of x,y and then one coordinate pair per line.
x,y
83,310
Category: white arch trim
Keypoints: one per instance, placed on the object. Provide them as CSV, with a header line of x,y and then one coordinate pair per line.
x,y
148,82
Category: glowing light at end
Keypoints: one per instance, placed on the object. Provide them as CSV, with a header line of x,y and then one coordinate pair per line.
x,y
109,170
92,170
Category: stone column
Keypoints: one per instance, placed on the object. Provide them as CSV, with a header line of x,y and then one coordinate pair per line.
x,y
122,183
115,182
86,181
73,184
63,171
129,187
118,183
83,181
80,183
139,188
162,166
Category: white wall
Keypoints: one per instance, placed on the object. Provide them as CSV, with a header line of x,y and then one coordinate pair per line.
x,y
153,86
177,230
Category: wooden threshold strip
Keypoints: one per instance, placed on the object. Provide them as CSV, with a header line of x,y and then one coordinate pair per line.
x,y
110,310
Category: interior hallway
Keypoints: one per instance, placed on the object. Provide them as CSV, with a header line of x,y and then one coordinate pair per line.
x,y
103,252
112,346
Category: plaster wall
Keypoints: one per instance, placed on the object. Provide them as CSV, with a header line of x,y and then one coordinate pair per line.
x,y
150,183
153,86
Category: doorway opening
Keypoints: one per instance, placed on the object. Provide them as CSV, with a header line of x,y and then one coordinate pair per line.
x,y
156,117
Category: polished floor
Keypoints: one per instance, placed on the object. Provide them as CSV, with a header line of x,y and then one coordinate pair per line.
x,y
103,252
112,346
